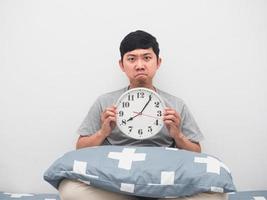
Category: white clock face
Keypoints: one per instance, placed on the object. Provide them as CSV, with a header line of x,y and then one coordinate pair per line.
x,y
140,113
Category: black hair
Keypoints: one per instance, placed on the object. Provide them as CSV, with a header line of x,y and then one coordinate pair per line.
x,y
138,40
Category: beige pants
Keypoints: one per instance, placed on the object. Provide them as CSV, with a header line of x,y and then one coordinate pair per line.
x,y
75,190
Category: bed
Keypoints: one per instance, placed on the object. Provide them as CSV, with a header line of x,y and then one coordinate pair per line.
x,y
136,171
27,196
248,195
244,195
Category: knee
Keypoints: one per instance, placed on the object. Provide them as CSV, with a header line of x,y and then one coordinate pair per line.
x,y
68,189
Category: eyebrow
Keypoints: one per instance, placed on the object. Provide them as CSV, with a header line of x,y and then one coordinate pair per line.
x,y
145,54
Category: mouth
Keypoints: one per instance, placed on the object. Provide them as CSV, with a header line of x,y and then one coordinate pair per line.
x,y
141,74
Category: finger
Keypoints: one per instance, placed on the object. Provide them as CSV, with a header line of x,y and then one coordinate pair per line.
x,y
106,114
109,112
111,109
169,117
108,121
171,112
169,109
169,123
114,107
173,119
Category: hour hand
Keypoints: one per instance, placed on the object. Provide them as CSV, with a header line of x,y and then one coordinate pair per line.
x,y
131,118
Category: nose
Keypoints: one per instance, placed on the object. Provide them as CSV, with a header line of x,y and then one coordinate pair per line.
x,y
139,65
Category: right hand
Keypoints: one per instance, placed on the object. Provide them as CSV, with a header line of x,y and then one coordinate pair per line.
x,y
108,120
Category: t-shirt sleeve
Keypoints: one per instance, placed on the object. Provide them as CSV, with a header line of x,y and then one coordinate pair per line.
x,y
189,126
92,122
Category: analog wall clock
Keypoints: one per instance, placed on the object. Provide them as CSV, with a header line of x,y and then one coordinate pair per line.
x,y
140,113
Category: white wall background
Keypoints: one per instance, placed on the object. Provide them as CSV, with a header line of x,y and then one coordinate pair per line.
x,y
56,57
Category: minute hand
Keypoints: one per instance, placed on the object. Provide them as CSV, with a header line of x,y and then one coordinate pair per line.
x,y
146,104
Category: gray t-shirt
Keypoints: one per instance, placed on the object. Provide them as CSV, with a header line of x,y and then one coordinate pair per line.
x,y
92,122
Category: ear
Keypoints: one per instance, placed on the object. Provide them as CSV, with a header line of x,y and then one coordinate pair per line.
x,y
121,65
159,62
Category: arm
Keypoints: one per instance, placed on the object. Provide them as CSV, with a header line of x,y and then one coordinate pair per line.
x,y
183,143
91,140
173,122
108,122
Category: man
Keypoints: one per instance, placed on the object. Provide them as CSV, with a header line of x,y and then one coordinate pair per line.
x,y
139,61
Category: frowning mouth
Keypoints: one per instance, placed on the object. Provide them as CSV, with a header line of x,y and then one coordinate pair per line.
x,y
141,74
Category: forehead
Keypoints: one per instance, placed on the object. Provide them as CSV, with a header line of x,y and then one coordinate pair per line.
x,y
140,52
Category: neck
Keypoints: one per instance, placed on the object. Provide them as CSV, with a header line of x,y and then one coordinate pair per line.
x,y
151,87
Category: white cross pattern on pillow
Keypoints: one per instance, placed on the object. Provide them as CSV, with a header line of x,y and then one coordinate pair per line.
x,y
126,157
127,187
14,195
213,165
216,189
79,167
166,178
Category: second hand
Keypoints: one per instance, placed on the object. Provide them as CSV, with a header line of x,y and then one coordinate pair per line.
x,y
146,115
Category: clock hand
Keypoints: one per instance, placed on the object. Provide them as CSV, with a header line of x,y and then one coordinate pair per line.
x,y
131,118
150,97
140,113
148,115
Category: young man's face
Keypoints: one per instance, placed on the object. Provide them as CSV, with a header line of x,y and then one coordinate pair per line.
x,y
140,66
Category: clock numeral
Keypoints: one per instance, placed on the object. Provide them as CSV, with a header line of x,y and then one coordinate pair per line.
x,y
126,104
140,131
157,122
130,97
123,122
130,128
150,129
121,113
140,95
159,113
156,104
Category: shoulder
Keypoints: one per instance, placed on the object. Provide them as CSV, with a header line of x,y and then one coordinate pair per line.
x,y
171,100
110,98
112,94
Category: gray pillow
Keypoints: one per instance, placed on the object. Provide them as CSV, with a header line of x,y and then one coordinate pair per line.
x,y
143,171
248,195
27,196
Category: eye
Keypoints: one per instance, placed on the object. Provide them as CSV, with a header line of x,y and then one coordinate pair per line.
x,y
147,58
131,59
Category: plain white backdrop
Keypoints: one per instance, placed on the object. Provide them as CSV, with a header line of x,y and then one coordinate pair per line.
x,y
57,57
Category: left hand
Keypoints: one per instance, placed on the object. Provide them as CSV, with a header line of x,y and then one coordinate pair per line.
x,y
172,121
